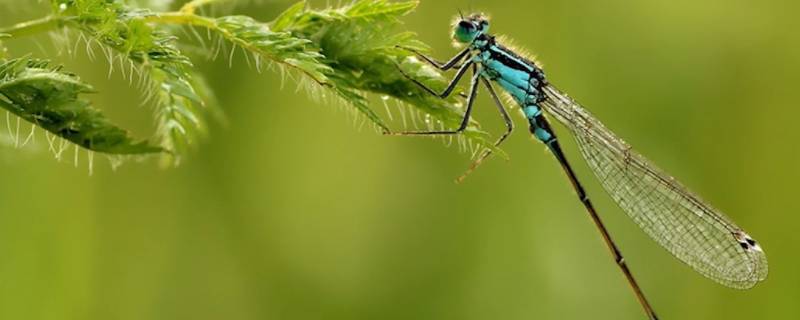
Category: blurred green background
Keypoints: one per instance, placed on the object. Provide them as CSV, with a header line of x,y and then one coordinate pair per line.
x,y
292,212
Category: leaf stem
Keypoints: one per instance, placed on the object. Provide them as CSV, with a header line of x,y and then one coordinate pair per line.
x,y
182,18
191,7
33,27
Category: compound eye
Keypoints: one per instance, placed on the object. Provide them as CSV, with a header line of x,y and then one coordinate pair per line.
x,y
466,25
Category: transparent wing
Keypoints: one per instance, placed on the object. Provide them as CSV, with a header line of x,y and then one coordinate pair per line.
x,y
681,222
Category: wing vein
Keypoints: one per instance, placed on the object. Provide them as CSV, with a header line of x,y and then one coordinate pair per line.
x,y
677,219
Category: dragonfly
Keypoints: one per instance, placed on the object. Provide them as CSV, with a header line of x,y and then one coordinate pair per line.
x,y
677,219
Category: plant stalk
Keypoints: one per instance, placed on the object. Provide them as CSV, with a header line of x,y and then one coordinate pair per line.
x,y
191,7
33,27
182,18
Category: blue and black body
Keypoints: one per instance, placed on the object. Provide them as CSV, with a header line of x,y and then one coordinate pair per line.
x,y
689,228
521,78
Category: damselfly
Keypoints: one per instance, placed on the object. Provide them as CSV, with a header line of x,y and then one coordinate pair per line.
x,y
678,220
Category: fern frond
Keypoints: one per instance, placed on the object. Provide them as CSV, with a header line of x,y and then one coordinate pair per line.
x,y
179,115
298,17
289,17
362,50
280,47
49,98
350,51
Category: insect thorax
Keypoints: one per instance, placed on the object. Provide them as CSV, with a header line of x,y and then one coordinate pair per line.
x,y
518,76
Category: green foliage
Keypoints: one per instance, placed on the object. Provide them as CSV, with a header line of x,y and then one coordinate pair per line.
x,y
350,51
49,98
179,109
362,51
158,5
280,47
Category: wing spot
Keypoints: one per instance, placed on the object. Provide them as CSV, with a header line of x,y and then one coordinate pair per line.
x,y
745,241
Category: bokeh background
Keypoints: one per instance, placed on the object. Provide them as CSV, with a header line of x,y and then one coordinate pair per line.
x,y
293,212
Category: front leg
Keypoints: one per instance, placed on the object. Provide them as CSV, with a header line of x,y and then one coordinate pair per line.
x,y
473,92
444,66
450,87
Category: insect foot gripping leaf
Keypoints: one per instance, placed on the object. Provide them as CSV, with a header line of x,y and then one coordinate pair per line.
x,y
49,98
350,54
363,48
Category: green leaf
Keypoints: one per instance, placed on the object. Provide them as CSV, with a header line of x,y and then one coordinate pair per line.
x,y
180,114
379,9
298,53
361,49
49,98
351,51
280,47
287,17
